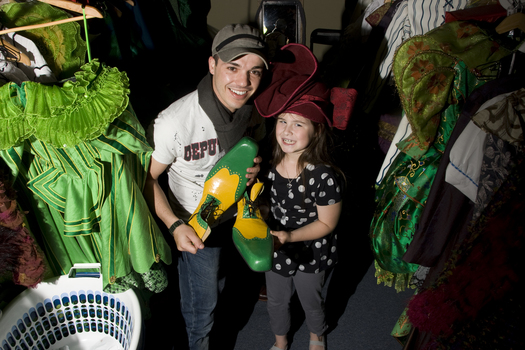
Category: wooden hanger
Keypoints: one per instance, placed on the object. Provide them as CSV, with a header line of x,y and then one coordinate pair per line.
x,y
91,12
75,7
514,21
16,54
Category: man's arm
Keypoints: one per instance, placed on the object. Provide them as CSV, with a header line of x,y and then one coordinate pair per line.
x,y
184,235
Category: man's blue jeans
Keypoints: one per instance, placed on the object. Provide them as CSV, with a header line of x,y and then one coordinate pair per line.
x,y
199,289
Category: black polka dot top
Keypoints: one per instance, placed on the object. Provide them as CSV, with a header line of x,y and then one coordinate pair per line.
x,y
294,204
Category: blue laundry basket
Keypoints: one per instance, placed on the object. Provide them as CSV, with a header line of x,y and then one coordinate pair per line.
x,y
72,312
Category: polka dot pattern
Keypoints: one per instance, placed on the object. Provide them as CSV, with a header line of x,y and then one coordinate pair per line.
x,y
296,207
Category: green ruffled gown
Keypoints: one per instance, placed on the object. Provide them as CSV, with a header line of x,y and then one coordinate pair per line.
x,y
79,159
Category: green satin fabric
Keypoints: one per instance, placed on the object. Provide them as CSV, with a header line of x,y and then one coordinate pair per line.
x,y
88,200
424,72
402,195
66,115
79,157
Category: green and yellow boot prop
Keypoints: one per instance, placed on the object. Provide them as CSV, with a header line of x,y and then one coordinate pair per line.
x,y
251,235
224,186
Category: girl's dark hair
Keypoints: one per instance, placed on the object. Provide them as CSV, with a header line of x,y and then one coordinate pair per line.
x,y
317,152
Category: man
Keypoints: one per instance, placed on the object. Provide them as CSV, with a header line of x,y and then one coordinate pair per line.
x,y
190,137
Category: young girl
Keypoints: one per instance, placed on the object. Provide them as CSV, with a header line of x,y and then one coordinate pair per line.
x,y
305,192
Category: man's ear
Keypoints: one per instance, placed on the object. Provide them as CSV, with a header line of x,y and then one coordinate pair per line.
x,y
211,64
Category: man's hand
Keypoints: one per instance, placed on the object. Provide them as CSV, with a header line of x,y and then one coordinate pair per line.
x,y
253,171
187,240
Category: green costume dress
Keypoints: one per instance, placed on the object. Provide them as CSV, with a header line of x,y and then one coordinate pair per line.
x,y
79,158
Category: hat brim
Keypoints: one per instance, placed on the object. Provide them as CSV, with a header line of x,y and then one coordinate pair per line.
x,y
309,110
229,55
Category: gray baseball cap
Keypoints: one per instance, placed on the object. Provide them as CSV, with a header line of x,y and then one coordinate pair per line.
x,y
236,40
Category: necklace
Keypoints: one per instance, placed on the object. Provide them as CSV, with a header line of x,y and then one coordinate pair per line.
x,y
289,184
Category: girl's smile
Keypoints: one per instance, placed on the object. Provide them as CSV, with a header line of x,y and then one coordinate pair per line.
x,y
293,133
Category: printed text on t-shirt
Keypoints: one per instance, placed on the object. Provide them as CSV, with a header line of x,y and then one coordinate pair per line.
x,y
198,150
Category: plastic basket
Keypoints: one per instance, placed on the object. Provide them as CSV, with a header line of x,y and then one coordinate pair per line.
x,y
72,312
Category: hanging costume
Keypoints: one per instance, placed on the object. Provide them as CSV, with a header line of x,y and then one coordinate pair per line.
x,y
486,237
429,81
409,19
79,156
19,254
62,46
37,71
436,74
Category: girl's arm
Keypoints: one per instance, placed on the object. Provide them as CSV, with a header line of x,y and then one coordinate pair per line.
x,y
328,218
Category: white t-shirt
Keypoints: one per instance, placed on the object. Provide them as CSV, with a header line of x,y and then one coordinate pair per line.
x,y
185,137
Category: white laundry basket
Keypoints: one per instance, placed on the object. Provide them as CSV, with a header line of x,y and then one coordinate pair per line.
x,y
72,312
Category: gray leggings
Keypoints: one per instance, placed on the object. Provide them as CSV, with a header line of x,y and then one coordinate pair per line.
x,y
280,290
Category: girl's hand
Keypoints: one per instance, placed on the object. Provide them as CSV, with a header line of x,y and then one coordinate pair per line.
x,y
282,236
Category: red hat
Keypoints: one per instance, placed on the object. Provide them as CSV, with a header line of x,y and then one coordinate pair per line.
x,y
294,89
